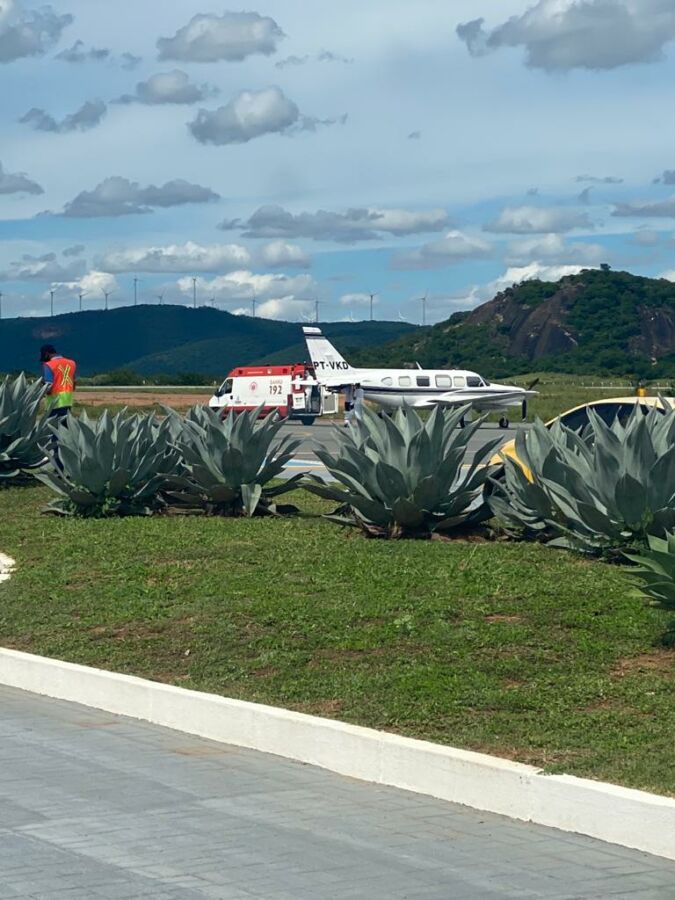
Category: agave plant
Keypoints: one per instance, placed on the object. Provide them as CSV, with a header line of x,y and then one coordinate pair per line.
x,y
602,491
22,429
115,465
404,477
229,464
657,571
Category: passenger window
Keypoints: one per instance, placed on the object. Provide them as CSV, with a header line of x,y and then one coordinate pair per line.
x,y
443,381
459,381
404,381
423,381
388,381
474,381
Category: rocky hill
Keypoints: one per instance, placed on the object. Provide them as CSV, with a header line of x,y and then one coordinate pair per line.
x,y
597,322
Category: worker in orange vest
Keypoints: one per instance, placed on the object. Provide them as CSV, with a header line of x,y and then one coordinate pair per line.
x,y
58,373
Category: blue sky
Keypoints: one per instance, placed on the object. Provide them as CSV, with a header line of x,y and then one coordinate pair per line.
x,y
293,151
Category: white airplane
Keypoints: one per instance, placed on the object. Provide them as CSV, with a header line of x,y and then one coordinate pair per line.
x,y
419,388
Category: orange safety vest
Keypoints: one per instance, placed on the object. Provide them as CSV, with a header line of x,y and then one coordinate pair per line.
x,y
63,385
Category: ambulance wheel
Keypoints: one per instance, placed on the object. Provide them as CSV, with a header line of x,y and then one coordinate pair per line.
x,y
503,422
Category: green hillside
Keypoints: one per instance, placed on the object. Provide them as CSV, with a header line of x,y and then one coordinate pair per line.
x,y
169,339
598,322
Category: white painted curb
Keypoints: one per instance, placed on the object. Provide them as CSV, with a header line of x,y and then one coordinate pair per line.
x,y
6,567
618,815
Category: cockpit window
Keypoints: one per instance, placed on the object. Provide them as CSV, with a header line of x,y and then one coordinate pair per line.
x,y
474,381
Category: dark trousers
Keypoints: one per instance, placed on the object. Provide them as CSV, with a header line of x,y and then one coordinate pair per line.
x,y
59,418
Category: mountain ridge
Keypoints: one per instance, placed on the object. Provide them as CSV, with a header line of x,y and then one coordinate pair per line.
x,y
160,340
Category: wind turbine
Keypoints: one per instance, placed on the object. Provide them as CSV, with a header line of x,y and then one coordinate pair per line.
x,y
424,308
81,295
51,301
107,294
160,297
136,283
401,317
372,296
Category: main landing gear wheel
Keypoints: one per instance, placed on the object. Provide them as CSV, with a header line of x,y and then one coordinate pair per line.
x,y
503,422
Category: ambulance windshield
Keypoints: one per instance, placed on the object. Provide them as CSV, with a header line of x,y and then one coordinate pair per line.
x,y
225,388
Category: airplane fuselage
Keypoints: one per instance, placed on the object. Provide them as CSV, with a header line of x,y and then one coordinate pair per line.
x,y
393,388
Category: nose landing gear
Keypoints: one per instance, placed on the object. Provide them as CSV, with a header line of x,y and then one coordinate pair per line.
x,y
503,422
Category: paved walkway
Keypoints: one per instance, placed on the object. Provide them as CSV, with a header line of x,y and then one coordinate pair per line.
x,y
95,806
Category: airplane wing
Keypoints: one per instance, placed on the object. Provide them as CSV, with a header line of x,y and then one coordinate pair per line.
x,y
484,399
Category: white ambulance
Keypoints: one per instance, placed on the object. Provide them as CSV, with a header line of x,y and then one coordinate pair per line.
x,y
292,391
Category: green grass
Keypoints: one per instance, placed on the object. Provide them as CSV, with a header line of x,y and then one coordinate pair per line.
x,y
558,393
516,650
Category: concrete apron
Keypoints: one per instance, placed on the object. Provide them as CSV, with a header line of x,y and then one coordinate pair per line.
x,y
610,813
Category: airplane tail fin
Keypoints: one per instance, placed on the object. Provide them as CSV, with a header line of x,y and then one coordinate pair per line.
x,y
325,358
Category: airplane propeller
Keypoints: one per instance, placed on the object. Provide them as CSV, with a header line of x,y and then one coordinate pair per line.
x,y
530,386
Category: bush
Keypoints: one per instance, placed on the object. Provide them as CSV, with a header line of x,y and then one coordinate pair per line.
x,y
604,491
404,477
23,430
228,464
114,465
657,571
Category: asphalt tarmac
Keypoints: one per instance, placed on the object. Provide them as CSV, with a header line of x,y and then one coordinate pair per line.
x,y
323,433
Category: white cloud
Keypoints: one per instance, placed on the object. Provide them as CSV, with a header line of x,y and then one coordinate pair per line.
x,y
188,257
278,296
285,308
646,237
87,116
324,56
78,53
552,249
659,209
455,247
42,268
538,220
669,275
28,32
534,270
94,282
18,183
281,253
248,115
169,87
348,227
117,196
232,37
357,299
595,179
589,34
